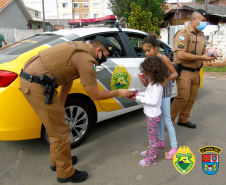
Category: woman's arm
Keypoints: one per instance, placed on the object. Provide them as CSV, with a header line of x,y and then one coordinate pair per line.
x,y
172,70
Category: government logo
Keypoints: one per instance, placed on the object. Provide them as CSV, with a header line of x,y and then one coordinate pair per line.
x,y
210,162
120,78
184,160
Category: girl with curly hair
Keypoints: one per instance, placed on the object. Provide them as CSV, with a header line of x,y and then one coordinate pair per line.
x,y
150,46
156,71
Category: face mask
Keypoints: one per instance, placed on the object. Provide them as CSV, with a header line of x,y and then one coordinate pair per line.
x,y
102,59
201,26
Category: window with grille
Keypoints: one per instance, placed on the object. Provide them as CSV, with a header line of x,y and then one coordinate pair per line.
x,y
86,16
96,15
76,16
65,16
75,5
95,5
85,5
65,5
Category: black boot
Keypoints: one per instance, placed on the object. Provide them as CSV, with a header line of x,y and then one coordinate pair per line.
x,y
78,176
74,161
188,124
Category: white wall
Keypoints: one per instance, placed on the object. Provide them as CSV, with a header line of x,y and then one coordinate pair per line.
x,y
13,35
209,29
218,41
164,34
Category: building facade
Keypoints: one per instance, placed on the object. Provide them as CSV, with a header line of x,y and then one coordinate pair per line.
x,y
64,9
34,13
80,9
13,14
96,8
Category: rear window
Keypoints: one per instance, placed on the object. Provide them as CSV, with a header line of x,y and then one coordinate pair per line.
x,y
28,44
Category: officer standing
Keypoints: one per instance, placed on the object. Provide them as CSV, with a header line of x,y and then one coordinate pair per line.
x,y
60,65
189,51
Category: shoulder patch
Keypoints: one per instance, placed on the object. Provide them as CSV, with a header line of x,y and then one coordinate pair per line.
x,y
181,37
181,45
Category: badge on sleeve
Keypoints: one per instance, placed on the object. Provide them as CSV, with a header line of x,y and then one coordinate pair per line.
x,y
181,37
181,45
94,67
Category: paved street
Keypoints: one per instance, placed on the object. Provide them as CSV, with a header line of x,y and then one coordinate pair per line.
x,y
111,152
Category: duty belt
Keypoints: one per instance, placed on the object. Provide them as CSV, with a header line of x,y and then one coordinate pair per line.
x,y
190,69
31,78
49,84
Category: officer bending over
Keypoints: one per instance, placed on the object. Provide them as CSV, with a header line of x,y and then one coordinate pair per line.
x,y
60,65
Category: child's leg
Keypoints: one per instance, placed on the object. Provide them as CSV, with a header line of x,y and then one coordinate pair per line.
x,y
167,120
152,153
160,128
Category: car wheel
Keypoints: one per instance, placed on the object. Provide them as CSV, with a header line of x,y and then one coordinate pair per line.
x,y
79,117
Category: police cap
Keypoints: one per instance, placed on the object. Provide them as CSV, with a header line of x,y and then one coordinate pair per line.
x,y
105,42
203,13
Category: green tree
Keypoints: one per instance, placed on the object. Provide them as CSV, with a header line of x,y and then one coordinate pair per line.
x,y
118,7
142,20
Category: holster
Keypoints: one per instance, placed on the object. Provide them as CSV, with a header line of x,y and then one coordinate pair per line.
x,y
49,86
178,69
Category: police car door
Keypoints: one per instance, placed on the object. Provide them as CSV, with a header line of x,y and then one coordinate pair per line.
x,y
117,73
135,40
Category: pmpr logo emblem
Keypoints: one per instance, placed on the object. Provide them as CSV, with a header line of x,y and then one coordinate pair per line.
x,y
184,160
210,162
120,78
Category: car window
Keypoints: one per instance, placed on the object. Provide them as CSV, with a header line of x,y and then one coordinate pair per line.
x,y
137,45
115,41
136,41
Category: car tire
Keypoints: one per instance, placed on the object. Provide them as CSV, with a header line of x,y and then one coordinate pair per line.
x,y
80,118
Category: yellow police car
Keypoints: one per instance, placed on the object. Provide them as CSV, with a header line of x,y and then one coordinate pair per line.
x,y
18,121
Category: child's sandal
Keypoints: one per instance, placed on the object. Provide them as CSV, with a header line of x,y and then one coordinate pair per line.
x,y
169,155
143,163
143,153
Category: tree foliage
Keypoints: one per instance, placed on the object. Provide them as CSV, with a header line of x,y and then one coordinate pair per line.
x,y
142,20
118,7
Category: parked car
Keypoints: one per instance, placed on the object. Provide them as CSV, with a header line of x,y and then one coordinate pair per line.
x,y
18,121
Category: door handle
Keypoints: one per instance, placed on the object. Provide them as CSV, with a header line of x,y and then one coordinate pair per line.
x,y
99,68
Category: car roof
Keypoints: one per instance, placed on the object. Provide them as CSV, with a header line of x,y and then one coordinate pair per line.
x,y
87,31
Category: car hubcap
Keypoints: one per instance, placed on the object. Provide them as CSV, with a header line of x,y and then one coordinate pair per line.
x,y
77,121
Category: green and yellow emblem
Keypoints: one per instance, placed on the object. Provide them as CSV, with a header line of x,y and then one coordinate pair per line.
x,y
120,78
184,160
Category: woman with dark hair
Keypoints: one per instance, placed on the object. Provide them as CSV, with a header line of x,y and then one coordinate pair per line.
x,y
156,71
150,46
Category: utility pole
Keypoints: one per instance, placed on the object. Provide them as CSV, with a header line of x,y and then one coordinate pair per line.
x,y
44,23
57,12
206,5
